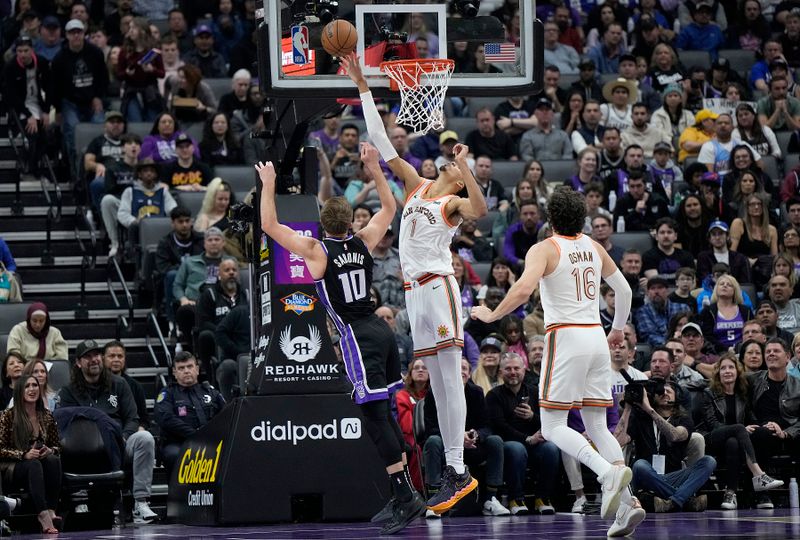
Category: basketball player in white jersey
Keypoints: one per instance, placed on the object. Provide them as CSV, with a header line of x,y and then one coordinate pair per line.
x,y
576,368
430,217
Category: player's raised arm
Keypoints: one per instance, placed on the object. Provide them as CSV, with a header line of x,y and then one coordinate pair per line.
x,y
535,267
475,205
400,167
306,247
623,293
376,228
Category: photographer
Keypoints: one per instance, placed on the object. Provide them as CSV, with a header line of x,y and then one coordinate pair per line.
x,y
661,434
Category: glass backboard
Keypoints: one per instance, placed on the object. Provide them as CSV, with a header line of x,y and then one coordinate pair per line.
x,y
493,51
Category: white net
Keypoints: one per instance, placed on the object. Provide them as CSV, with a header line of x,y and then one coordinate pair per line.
x,y
423,86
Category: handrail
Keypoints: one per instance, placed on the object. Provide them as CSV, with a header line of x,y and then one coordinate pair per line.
x,y
115,271
88,259
17,208
160,342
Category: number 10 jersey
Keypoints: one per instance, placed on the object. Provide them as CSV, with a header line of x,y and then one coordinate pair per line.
x,y
344,289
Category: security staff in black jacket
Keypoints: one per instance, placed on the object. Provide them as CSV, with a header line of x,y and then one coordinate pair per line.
x,y
185,407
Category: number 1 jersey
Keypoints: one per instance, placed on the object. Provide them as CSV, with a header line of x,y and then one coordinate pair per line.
x,y
344,289
570,293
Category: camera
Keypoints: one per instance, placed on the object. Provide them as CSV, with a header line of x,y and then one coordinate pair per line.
x,y
241,216
325,10
634,391
387,34
468,8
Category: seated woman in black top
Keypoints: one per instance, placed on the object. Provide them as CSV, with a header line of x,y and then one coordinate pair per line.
x,y
725,415
752,235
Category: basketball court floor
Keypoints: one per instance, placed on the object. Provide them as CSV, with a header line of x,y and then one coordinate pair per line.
x,y
745,524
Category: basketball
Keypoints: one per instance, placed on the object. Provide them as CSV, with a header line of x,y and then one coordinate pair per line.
x,y
339,37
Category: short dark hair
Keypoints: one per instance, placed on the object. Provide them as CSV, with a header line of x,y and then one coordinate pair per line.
x,y
685,271
114,343
779,341
666,221
631,251
594,187
184,356
640,105
349,126
609,129
663,349
179,212
567,211
792,202
528,202
131,138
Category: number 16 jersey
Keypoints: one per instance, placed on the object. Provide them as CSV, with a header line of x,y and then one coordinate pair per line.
x,y
570,293
344,289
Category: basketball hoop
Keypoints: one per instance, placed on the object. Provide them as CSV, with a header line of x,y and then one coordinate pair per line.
x,y
422,83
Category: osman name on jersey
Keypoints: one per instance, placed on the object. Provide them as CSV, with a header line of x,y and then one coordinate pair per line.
x,y
580,256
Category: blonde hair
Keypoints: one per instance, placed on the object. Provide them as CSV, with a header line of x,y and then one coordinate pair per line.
x,y
738,299
336,215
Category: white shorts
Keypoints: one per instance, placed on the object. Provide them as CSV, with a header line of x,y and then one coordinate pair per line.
x,y
433,303
576,368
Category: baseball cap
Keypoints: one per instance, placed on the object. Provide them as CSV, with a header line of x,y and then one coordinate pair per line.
x,y
202,29
448,135
75,24
657,280
491,341
587,64
721,225
183,138
627,57
544,102
778,63
662,147
705,114
710,178
87,346
213,231
704,4
691,326
51,22
721,64
23,40
145,163
110,115
30,14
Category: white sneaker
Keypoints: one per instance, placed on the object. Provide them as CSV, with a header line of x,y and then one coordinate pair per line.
x,y
112,252
142,513
628,517
577,508
613,482
765,482
518,508
430,514
492,507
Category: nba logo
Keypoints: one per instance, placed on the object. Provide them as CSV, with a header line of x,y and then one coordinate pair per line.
x,y
300,44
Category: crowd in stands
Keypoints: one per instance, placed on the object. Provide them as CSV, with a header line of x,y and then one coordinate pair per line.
x,y
686,154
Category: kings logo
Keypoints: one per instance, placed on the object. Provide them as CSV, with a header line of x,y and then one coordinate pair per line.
x,y
298,302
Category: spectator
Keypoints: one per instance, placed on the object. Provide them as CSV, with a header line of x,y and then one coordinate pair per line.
x,y
751,353
779,290
179,30
545,141
92,385
665,430
773,398
30,452
601,233
589,132
766,314
147,197
186,173
664,172
522,235
203,55
640,208
642,133
327,137
686,377
38,370
746,182
50,39
752,235
759,73
778,110
81,72
6,258
611,156
606,56
631,266
184,407
193,273
493,191
515,116
620,95
404,345
25,88
416,386
160,144
692,223
702,34
552,90
716,153
665,68
233,334
214,211
644,92
726,412
346,160
513,334
723,320
10,372
190,99
102,153
620,360
480,445
215,302
694,137
181,242
753,29
488,140
487,373
119,176
114,360
652,318
219,145
228,28
35,338
513,415
587,81
593,196
470,243
535,356
720,253
750,130
790,39
587,171
694,344
139,67
684,285
564,57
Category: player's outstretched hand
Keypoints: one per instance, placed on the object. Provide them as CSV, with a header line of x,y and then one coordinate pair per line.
x,y
615,338
369,155
352,67
482,313
461,151
266,171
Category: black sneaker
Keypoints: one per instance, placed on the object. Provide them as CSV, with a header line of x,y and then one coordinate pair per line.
x,y
763,502
385,513
404,513
454,488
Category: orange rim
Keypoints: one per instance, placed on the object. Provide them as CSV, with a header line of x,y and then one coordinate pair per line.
x,y
407,70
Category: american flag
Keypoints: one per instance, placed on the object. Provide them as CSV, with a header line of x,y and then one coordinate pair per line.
x,y
500,52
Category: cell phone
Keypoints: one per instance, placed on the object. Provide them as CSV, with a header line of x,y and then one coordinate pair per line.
x,y
38,444
149,56
524,400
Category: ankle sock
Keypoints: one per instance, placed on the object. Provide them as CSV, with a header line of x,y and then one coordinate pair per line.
x,y
402,489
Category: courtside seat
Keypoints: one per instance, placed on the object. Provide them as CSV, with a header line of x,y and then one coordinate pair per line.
x,y
558,170
10,314
193,200
240,177
689,59
507,172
